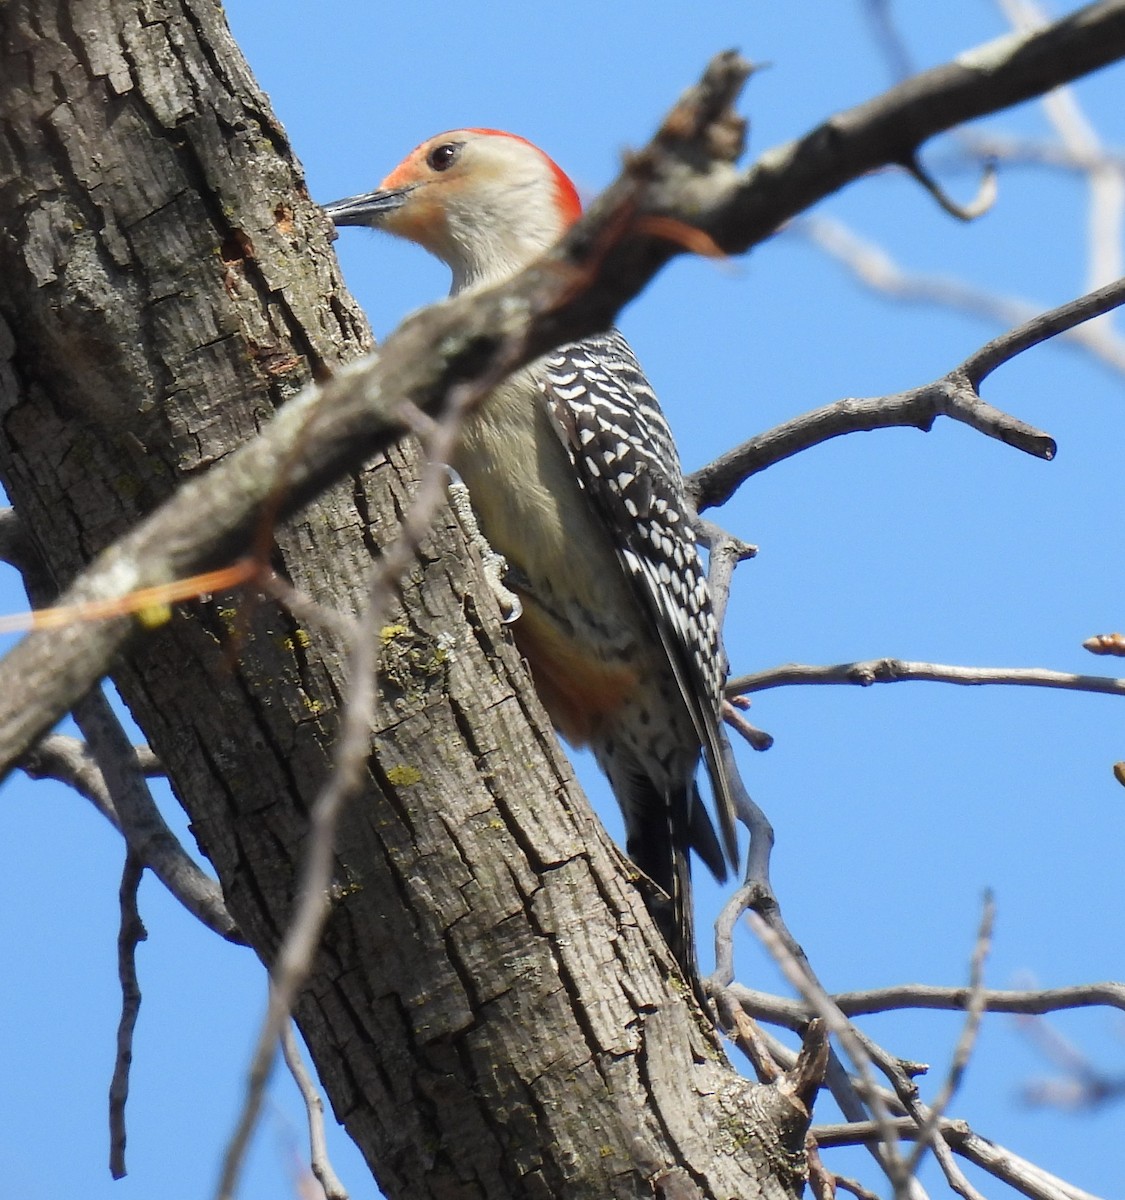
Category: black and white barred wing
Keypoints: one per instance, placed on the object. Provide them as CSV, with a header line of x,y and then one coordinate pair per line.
x,y
611,424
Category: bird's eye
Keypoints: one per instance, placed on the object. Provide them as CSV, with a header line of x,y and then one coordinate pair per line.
x,y
442,157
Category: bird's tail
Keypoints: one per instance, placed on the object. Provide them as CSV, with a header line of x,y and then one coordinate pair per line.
x,y
661,827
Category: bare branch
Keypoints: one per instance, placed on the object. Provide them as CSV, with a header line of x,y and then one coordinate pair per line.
x,y
715,483
964,1048
1083,1085
724,553
1002,72
1016,1171
955,395
757,894
758,739
1017,151
1105,180
746,1035
1029,1003
1001,1163
890,39
854,1187
793,1015
977,207
799,974
319,1161
822,1182
977,367
294,957
897,670
873,266
69,761
148,763
1010,1168
140,820
130,934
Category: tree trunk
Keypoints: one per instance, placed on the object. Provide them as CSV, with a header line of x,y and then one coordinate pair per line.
x,y
491,1011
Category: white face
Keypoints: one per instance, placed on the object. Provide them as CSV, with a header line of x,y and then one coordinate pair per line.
x,y
485,203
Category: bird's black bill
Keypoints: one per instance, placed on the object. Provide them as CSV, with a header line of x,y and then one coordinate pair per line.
x,y
368,209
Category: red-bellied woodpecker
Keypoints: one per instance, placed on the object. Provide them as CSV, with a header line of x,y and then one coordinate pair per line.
x,y
575,480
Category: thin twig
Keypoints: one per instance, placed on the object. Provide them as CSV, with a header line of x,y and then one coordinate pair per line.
x,y
844,1183
874,267
897,670
130,934
319,1162
1105,179
1015,150
141,822
801,977
977,367
744,1032
756,891
310,910
724,553
68,760
311,611
955,395
757,739
757,894
960,1060
918,408
1084,1085
997,1160
890,39
981,203
793,1015
822,1182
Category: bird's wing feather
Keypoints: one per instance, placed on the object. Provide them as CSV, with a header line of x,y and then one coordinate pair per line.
x,y
610,422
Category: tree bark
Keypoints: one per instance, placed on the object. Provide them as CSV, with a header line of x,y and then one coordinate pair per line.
x,y
491,1011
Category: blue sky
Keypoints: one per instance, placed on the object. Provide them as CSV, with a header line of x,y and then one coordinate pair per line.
x,y
894,807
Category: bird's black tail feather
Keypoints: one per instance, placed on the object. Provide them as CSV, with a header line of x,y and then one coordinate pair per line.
x,y
661,829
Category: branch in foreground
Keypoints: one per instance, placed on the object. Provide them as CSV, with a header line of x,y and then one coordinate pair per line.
x,y
761,1047
294,957
684,174
977,367
897,670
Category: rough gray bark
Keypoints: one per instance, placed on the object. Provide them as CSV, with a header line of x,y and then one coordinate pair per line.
x,y
491,1011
